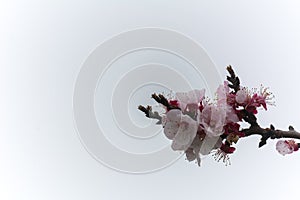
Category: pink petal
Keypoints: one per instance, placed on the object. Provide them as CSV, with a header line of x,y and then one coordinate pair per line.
x,y
241,96
171,129
209,143
191,97
283,147
185,134
174,115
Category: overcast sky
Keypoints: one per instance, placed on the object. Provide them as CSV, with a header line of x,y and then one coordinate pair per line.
x,y
44,44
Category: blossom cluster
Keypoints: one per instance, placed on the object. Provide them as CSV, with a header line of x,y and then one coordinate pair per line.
x,y
199,126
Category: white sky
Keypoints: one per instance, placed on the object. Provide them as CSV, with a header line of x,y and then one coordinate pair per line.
x,y
42,47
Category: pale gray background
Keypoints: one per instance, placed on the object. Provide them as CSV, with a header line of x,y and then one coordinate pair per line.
x,y
43,45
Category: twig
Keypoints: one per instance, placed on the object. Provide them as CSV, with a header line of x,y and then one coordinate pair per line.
x,y
148,112
271,133
250,118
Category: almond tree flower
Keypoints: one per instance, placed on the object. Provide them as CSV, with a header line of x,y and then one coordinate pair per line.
x,y
222,93
193,97
266,96
171,123
258,101
209,144
186,133
231,99
222,101
222,154
213,119
180,128
286,146
261,98
193,152
202,145
231,116
242,96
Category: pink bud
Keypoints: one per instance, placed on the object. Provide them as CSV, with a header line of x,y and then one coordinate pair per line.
x,y
286,146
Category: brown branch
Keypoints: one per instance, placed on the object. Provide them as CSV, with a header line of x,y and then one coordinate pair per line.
x,y
270,133
233,79
164,101
150,114
154,115
249,117
255,129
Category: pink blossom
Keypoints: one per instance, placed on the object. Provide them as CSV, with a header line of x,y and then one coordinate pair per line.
x,y
209,144
180,128
258,100
215,116
203,146
193,97
286,146
242,96
222,102
171,123
261,98
222,93
193,152
231,116
212,119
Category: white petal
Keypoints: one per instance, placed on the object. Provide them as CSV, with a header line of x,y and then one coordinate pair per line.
x,y
182,97
208,144
231,116
195,96
205,116
217,122
241,96
163,119
185,134
283,147
190,155
191,97
171,129
174,115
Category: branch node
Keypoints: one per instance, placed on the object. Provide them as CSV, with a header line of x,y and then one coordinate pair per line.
x,y
291,128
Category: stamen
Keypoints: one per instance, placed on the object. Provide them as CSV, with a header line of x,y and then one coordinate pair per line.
x,y
221,155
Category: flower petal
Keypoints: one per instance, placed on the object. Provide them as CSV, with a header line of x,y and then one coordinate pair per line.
x,y
222,92
171,123
210,143
286,146
191,97
185,134
190,155
241,96
174,115
170,129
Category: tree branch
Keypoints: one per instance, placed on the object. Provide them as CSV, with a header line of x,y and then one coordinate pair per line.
x,y
271,133
150,114
250,118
